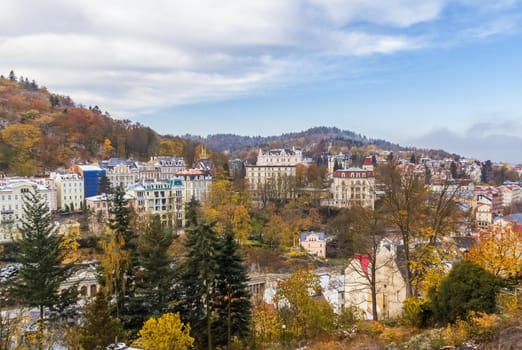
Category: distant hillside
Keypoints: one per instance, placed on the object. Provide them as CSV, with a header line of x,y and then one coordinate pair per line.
x,y
42,131
321,137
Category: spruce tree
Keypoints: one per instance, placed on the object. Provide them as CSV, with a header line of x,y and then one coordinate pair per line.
x,y
197,281
100,329
232,300
154,284
120,221
40,253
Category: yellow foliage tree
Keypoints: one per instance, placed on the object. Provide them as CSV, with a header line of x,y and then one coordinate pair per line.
x,y
70,244
170,148
303,316
266,325
499,251
165,333
22,140
228,208
278,230
107,148
115,262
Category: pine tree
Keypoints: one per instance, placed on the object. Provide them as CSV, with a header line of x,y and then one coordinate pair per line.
x,y
100,329
154,285
232,300
40,253
197,281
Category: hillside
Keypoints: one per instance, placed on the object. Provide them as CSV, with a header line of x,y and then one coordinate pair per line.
x,y
313,141
42,131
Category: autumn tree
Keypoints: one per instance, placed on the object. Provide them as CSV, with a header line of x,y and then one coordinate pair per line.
x,y
266,326
107,148
423,219
115,262
167,332
277,231
368,225
302,315
170,147
229,209
22,140
42,271
498,251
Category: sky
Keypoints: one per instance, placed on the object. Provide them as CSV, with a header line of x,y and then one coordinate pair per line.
x,y
432,73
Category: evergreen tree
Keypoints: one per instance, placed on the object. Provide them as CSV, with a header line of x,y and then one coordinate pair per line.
x,y
100,329
105,185
191,212
12,76
154,286
232,300
467,287
198,272
124,236
41,254
336,165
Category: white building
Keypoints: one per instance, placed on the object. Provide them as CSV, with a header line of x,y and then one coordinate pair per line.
x,y
69,191
161,197
197,184
353,186
314,243
277,168
98,212
12,204
121,173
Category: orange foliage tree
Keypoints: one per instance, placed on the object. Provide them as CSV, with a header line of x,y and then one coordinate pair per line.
x,y
499,251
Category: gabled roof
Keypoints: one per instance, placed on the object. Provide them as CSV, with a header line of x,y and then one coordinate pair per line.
x,y
304,235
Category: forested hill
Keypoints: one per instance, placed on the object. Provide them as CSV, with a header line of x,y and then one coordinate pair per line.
x,y
320,137
42,131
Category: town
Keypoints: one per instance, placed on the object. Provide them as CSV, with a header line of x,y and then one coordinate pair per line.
x,y
485,198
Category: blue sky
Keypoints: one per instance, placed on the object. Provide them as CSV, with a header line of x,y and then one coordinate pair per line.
x,y
432,73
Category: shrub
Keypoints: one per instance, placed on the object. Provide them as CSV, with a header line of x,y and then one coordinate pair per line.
x,y
457,333
415,312
482,326
468,287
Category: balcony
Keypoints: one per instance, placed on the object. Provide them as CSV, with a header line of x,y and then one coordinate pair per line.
x,y
7,211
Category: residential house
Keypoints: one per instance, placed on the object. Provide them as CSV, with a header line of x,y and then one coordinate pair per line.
x,y
314,243
390,282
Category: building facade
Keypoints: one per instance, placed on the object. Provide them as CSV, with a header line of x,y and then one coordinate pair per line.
x,y
12,195
69,191
353,186
197,184
160,197
274,173
314,243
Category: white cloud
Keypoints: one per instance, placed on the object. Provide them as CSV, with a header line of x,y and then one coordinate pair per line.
x,y
496,141
132,56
